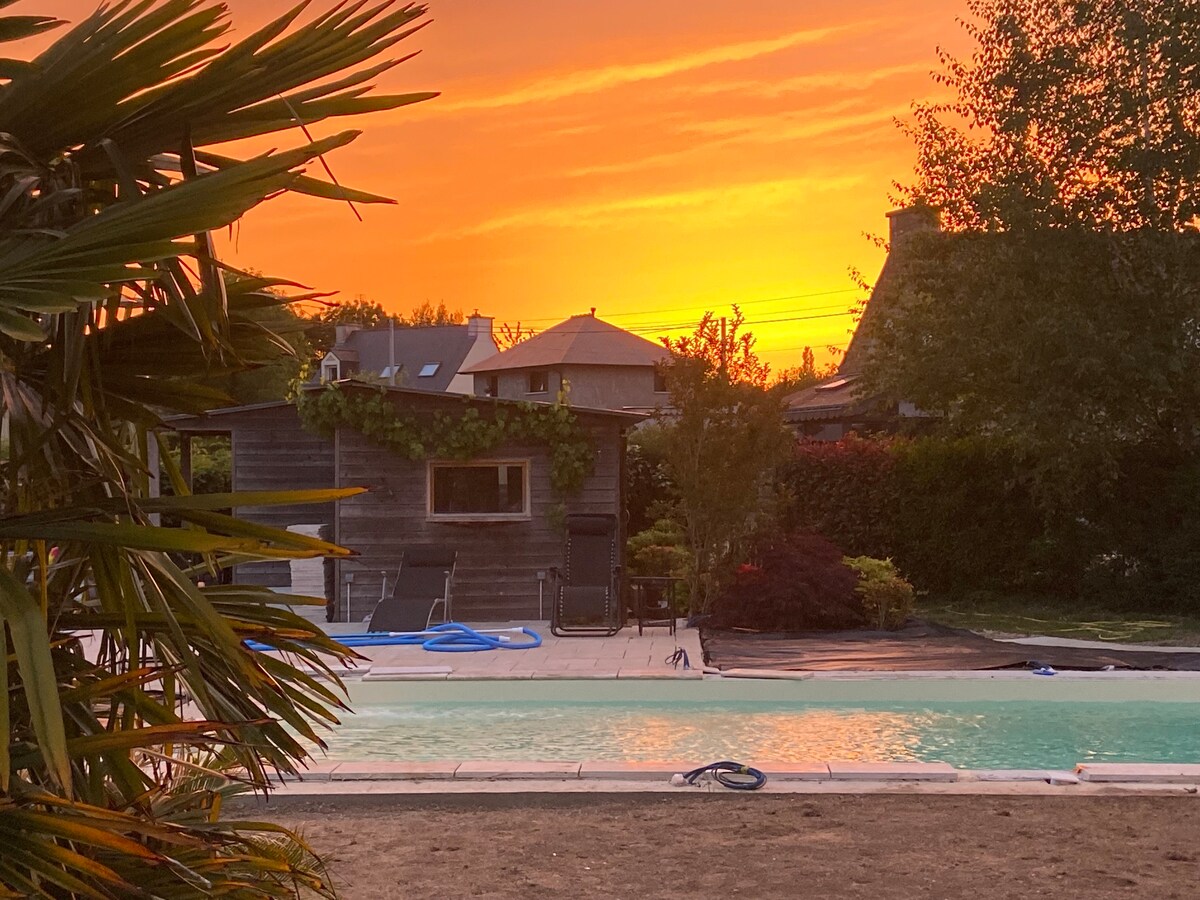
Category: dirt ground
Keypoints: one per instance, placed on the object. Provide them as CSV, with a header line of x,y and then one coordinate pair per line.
x,y
760,846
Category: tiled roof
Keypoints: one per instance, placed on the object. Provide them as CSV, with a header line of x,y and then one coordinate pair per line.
x,y
580,341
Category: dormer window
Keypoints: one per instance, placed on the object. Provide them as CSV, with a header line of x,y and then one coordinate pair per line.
x,y
429,370
539,381
331,370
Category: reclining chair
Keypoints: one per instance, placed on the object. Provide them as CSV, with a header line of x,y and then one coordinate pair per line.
x,y
587,597
424,580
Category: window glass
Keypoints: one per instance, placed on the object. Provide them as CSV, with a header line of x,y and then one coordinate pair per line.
x,y
660,381
479,490
429,370
539,381
493,386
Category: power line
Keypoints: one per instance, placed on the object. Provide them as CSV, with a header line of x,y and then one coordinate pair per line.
x,y
703,309
676,326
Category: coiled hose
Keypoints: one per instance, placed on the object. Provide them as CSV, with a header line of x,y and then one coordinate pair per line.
x,y
731,774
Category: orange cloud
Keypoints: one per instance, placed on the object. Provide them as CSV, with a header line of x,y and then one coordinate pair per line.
x,y
589,81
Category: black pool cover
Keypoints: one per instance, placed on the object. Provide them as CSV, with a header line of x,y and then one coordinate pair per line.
x,y
920,646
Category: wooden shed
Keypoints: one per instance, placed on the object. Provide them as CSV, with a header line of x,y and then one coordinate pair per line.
x,y
500,511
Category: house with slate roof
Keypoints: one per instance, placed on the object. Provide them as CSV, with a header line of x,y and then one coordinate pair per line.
x,y
599,365
831,409
428,358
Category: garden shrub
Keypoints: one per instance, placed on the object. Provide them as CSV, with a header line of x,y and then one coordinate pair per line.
x,y
793,582
887,596
659,550
845,490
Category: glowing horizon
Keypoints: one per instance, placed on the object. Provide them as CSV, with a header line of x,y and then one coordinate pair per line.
x,y
651,163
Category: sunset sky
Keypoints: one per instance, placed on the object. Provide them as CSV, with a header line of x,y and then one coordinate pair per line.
x,y
650,159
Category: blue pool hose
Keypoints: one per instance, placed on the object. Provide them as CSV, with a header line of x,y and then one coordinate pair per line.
x,y
719,770
453,637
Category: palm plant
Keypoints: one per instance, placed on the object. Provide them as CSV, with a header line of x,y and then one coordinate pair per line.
x,y
129,705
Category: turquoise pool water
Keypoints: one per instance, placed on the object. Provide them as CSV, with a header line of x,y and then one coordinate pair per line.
x,y
538,723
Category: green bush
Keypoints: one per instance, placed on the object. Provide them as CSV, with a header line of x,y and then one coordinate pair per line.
x,y
658,550
887,596
791,583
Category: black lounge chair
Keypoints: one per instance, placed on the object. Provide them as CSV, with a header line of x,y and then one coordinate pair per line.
x,y
424,580
587,599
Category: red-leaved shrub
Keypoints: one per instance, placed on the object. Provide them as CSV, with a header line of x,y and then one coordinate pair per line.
x,y
794,582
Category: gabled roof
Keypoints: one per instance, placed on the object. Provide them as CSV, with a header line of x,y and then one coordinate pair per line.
x,y
415,349
903,223
579,341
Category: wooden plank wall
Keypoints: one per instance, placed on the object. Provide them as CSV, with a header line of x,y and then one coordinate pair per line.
x,y
271,452
496,578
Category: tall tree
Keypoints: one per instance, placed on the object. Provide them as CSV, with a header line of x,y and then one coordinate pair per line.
x,y
113,308
1068,112
722,442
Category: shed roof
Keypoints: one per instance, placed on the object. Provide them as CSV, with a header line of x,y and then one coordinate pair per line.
x,y
203,421
580,341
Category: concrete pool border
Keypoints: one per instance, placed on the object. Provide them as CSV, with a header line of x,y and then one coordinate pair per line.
x,y
817,771
848,777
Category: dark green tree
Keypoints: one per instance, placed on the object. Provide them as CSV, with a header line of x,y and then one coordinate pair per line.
x,y
1068,112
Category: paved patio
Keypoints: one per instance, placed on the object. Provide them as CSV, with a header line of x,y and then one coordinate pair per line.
x,y
623,655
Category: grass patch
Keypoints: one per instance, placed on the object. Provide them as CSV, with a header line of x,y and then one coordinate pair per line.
x,y
1026,616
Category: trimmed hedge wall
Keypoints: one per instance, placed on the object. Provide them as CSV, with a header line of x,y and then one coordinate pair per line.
x,y
955,515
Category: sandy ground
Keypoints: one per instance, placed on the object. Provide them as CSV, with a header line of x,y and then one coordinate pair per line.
x,y
648,846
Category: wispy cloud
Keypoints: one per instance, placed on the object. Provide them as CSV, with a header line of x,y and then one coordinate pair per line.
x,y
773,129
699,206
813,81
589,81
824,122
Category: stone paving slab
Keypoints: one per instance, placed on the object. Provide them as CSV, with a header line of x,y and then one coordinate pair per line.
x,y
1140,773
385,770
641,672
795,771
321,771
1049,776
489,676
907,771
631,771
780,674
518,769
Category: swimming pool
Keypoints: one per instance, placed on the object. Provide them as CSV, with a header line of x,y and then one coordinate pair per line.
x,y
1020,723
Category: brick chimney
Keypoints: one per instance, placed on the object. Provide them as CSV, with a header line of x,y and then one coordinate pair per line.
x,y
911,220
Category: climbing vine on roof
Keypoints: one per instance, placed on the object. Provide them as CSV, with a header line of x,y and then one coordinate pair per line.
x,y
461,435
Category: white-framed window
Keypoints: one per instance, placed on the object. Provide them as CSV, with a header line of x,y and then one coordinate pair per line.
x,y
494,490
331,370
